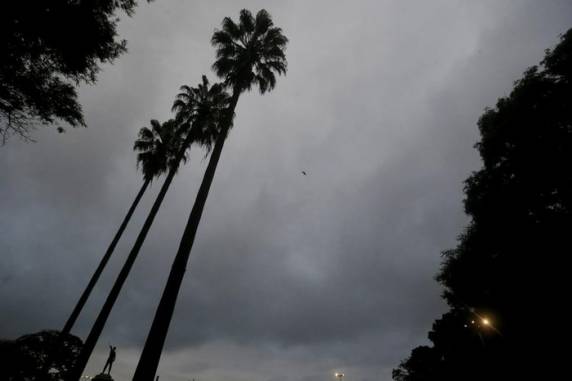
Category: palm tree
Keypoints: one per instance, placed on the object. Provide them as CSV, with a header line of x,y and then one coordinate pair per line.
x,y
155,151
196,125
201,108
158,147
161,149
248,54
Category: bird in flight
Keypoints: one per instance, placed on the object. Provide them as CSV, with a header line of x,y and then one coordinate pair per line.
x,y
304,173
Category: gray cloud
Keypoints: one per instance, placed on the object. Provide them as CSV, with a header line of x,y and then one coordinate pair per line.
x,y
292,276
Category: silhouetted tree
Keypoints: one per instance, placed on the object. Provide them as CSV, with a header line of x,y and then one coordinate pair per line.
x,y
26,358
202,108
509,264
249,53
463,349
194,124
157,150
48,47
423,365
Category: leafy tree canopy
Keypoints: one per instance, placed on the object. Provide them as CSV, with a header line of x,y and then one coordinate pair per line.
x,y
48,48
508,266
26,357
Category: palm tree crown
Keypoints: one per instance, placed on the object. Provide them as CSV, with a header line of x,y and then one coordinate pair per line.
x,y
201,107
250,52
157,147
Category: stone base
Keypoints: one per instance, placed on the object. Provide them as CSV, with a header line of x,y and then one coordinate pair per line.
x,y
102,377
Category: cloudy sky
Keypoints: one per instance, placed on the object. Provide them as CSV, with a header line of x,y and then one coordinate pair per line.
x,y
292,277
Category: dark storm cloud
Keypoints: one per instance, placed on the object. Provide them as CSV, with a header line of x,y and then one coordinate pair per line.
x,y
313,273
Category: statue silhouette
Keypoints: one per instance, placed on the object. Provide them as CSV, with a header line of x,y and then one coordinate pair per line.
x,y
110,360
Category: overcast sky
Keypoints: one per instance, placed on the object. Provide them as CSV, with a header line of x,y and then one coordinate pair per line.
x,y
292,277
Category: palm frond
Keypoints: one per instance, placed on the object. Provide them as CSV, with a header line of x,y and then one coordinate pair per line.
x,y
224,66
178,105
262,23
274,37
185,89
229,27
246,22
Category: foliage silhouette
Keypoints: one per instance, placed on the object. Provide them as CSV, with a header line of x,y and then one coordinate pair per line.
x,y
248,54
190,126
509,263
200,108
27,358
157,150
42,63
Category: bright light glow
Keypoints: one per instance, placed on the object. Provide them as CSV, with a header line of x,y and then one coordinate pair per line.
x,y
486,321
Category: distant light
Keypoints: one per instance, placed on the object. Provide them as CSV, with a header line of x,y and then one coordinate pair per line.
x,y
486,321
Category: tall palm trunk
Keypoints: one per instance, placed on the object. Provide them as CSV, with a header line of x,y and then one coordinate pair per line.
x,y
95,277
97,327
149,360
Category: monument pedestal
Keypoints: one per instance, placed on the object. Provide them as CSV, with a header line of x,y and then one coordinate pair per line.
x,y
102,377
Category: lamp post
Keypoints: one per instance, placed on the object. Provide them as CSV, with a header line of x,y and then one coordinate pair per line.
x,y
482,321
